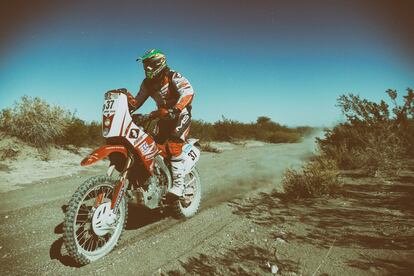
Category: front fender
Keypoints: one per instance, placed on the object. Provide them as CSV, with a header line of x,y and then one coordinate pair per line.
x,y
103,152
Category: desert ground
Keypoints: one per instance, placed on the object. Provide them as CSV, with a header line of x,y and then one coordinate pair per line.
x,y
245,225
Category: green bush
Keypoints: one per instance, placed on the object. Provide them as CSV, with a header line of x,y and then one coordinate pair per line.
x,y
79,133
76,133
317,177
202,130
263,120
95,133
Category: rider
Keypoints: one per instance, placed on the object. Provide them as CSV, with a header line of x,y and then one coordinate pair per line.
x,y
173,95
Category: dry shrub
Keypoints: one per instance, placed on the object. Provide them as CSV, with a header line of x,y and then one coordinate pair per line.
x,y
382,156
376,137
377,152
34,121
44,154
4,168
264,129
9,152
207,147
283,137
40,124
317,177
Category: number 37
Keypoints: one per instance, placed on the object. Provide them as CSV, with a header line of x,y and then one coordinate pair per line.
x,y
192,154
108,104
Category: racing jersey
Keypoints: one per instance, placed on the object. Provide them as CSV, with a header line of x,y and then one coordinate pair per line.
x,y
173,90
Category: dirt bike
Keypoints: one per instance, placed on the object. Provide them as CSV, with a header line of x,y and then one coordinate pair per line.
x,y
97,212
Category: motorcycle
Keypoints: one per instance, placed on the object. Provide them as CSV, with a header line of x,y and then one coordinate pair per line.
x,y
97,212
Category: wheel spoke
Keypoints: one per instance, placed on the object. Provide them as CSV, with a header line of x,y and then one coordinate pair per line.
x,y
85,241
101,239
83,213
82,221
83,206
88,244
81,235
191,182
82,224
91,248
92,194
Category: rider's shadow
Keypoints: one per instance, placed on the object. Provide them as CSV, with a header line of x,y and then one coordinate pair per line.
x,y
138,217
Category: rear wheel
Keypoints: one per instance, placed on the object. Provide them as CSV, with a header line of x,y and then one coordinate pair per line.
x,y
187,206
91,230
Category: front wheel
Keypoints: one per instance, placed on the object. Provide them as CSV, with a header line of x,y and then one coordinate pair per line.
x,y
187,206
91,230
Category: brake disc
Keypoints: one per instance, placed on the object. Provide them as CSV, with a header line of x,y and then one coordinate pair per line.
x,y
103,219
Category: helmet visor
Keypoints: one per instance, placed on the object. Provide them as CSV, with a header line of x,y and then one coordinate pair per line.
x,y
150,63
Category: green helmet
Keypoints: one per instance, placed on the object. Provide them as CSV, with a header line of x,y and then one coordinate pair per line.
x,y
154,62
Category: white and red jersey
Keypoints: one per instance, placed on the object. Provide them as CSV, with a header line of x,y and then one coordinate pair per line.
x,y
172,90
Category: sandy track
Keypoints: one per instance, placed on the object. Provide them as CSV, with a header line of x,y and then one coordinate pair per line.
x,y
31,218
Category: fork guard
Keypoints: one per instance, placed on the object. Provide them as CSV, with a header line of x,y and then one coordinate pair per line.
x,y
103,152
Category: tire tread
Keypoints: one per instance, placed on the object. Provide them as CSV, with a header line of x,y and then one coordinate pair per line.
x,y
70,216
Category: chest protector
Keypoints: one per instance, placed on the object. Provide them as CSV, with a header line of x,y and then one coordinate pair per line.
x,y
163,91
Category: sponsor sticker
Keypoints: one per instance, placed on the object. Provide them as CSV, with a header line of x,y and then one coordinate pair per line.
x,y
120,196
182,123
134,133
187,148
144,148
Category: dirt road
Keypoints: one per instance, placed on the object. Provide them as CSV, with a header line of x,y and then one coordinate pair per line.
x,y
31,218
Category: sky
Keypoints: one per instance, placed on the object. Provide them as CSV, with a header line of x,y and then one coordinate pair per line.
x,y
288,60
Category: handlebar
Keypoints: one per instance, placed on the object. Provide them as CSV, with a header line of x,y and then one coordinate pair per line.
x,y
141,119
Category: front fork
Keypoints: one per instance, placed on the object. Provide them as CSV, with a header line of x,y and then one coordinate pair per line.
x,y
118,194
99,198
120,188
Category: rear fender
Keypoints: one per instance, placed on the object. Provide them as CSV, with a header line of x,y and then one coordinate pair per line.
x,y
103,152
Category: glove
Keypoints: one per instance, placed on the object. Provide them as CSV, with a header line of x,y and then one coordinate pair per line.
x,y
131,100
140,119
164,113
173,113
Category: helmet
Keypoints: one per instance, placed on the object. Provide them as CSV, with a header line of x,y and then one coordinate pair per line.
x,y
154,62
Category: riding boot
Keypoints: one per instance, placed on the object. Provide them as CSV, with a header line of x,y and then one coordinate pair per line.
x,y
177,169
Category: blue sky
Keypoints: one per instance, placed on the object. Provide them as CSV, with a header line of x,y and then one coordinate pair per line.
x,y
286,61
